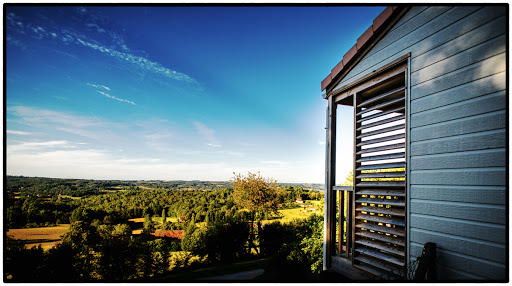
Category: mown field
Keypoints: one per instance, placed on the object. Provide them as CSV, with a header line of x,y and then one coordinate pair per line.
x,y
47,237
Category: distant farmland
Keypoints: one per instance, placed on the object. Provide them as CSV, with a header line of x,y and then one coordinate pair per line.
x,y
46,236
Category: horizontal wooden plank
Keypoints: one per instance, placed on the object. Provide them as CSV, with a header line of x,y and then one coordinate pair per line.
x,y
384,271
461,177
383,229
480,105
470,142
382,139
381,192
381,105
467,194
392,202
382,122
381,175
381,237
481,34
480,231
464,75
392,184
382,148
479,123
394,92
487,85
465,211
389,211
381,256
343,188
398,110
382,131
458,160
382,157
394,221
467,57
381,246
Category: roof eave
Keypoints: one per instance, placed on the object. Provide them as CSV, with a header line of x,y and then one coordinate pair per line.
x,y
365,42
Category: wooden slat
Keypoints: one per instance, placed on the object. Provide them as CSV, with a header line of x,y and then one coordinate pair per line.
x,y
388,211
381,192
381,237
343,188
388,270
382,148
382,96
380,255
382,166
382,175
381,184
381,219
381,105
398,203
384,229
398,155
381,246
382,122
381,139
397,110
382,131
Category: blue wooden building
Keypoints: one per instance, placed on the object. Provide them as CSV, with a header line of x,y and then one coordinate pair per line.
x,y
428,87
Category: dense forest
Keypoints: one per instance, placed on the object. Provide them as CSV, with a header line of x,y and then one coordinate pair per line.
x,y
220,225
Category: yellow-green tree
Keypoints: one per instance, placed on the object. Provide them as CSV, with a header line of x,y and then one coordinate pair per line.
x,y
256,194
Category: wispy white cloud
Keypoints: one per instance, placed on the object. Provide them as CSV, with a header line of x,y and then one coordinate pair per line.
x,y
29,116
69,35
116,98
98,86
207,134
16,132
25,146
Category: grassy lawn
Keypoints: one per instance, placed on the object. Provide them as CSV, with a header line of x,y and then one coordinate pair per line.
x,y
288,215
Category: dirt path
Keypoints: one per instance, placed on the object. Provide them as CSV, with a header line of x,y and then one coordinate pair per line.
x,y
245,275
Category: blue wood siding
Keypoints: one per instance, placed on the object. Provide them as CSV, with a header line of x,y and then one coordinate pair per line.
x,y
457,133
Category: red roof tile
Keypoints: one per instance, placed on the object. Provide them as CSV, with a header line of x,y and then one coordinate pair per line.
x,y
383,16
348,56
326,81
169,233
364,37
337,68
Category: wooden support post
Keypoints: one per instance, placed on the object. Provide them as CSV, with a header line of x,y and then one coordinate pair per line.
x,y
357,132
341,213
348,223
330,195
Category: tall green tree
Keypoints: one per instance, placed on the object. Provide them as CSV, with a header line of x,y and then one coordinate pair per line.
x,y
164,217
149,225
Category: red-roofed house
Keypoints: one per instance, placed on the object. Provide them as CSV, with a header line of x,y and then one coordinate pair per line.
x,y
178,234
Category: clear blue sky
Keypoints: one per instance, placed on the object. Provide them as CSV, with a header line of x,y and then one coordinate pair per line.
x,y
192,93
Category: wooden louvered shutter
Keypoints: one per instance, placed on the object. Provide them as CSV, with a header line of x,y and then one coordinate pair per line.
x,y
379,225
